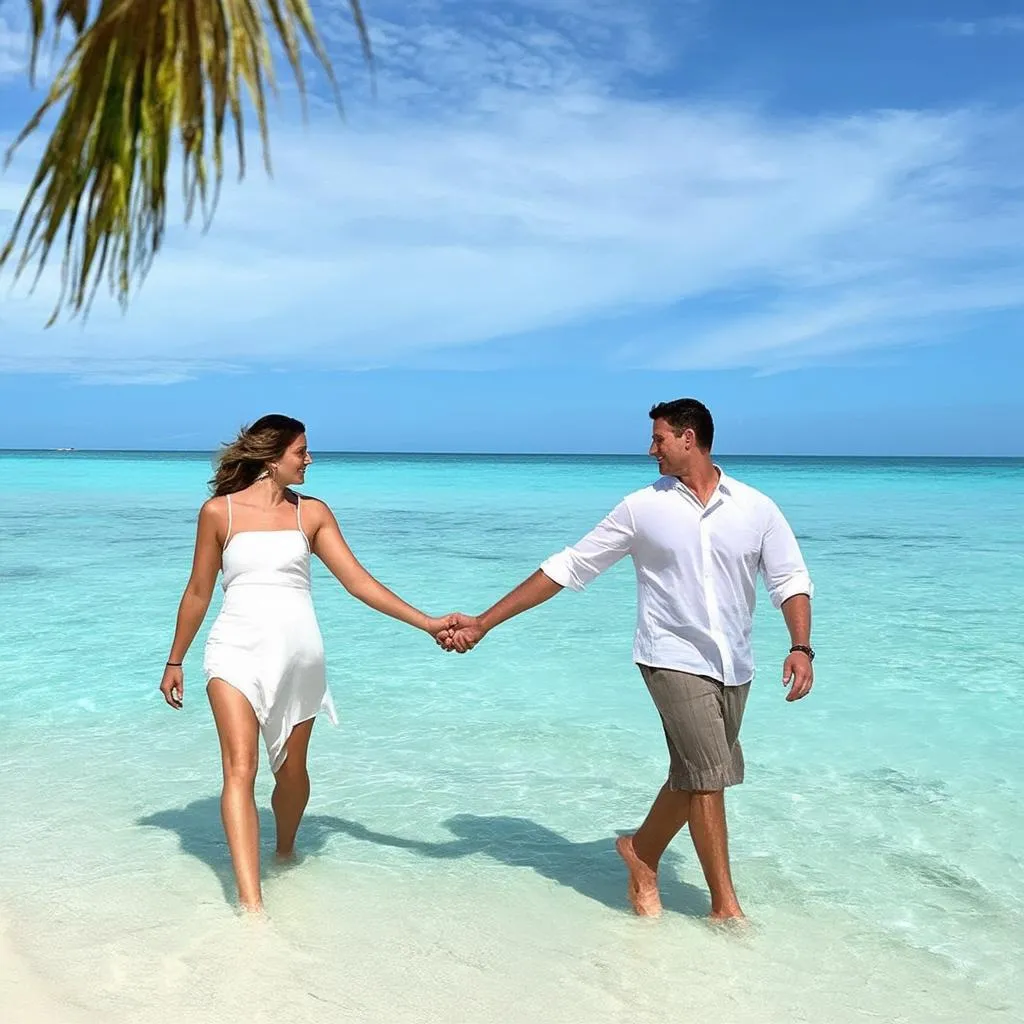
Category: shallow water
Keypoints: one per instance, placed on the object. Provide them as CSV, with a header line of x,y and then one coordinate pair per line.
x,y
459,847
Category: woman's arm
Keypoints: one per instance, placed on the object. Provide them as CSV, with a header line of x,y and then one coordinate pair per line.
x,y
195,601
331,548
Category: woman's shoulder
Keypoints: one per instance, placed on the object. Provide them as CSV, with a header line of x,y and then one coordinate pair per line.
x,y
213,517
312,505
215,508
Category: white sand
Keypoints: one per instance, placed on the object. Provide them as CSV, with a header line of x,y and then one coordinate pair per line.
x,y
25,997
435,955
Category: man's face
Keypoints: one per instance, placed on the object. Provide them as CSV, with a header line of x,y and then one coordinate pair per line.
x,y
673,453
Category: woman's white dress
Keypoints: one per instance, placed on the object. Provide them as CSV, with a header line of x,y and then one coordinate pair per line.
x,y
266,642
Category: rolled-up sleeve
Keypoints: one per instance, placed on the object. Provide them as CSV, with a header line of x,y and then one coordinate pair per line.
x,y
610,540
782,565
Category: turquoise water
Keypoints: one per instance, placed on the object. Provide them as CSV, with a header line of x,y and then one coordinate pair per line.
x,y
459,841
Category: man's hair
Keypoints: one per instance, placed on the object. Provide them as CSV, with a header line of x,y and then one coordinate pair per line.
x,y
687,414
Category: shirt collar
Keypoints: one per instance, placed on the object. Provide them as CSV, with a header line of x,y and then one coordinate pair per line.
x,y
723,487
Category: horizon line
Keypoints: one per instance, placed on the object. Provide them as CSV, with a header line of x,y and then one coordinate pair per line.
x,y
70,450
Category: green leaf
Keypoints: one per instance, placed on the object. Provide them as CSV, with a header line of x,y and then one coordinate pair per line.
x,y
142,75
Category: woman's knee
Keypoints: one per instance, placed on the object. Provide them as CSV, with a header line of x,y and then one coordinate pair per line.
x,y
240,767
292,773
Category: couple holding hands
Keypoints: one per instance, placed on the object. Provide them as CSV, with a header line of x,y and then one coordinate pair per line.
x,y
698,540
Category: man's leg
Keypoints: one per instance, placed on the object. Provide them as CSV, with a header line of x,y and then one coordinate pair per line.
x,y
708,828
668,814
642,851
711,841
701,719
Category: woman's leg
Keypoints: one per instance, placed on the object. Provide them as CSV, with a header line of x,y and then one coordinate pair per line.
x,y
239,732
291,790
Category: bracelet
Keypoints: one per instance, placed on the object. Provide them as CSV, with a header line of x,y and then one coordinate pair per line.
x,y
803,649
175,664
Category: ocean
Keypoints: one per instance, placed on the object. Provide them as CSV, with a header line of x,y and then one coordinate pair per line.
x,y
458,848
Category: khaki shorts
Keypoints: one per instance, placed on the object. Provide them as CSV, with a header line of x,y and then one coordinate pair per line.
x,y
701,718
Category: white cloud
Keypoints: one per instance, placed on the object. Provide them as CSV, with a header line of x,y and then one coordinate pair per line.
x,y
554,198
997,26
16,45
14,49
800,330
429,50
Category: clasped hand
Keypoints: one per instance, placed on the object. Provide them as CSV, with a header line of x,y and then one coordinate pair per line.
x,y
462,633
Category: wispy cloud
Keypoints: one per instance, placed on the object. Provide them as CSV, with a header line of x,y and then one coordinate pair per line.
x,y
795,331
435,52
14,48
995,26
516,177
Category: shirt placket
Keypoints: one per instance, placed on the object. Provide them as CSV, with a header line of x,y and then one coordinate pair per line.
x,y
711,591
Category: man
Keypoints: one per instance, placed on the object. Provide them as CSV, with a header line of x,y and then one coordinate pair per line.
x,y
698,540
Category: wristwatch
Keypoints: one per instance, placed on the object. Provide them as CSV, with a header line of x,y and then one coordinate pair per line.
x,y
803,649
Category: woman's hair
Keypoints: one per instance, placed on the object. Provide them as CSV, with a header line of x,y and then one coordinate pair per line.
x,y
244,459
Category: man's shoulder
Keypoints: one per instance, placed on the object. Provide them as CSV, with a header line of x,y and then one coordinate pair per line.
x,y
651,492
648,500
659,488
742,490
750,497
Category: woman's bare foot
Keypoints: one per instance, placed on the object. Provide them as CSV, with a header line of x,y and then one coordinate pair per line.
x,y
285,860
643,882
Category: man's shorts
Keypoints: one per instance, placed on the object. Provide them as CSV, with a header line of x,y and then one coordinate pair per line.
x,y
701,718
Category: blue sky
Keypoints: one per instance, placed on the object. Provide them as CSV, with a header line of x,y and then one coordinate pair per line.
x,y
556,212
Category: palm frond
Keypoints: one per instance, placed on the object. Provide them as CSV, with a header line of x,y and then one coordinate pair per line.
x,y
142,75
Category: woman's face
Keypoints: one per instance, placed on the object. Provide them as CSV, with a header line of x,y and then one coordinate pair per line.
x,y
291,467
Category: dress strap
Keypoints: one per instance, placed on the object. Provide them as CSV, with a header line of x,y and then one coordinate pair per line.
x,y
227,536
298,520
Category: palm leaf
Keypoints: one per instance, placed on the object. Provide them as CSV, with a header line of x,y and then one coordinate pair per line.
x,y
142,75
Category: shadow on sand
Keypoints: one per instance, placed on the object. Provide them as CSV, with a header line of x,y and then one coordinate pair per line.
x,y
592,868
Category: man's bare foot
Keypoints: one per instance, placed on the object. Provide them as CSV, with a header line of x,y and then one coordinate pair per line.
x,y
643,882
728,913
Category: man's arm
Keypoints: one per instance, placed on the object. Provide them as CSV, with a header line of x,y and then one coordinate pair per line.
x,y
533,591
797,613
470,630
797,668
574,567
782,564
790,588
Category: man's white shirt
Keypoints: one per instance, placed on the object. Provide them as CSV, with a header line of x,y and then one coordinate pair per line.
x,y
696,571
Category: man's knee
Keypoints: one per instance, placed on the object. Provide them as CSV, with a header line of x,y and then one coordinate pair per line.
x,y
687,788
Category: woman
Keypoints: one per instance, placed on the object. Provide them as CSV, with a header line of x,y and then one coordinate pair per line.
x,y
264,660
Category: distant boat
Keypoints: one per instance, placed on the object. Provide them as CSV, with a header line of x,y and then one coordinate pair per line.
x,y
64,449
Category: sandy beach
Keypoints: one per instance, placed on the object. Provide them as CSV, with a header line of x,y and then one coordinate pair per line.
x,y
25,996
